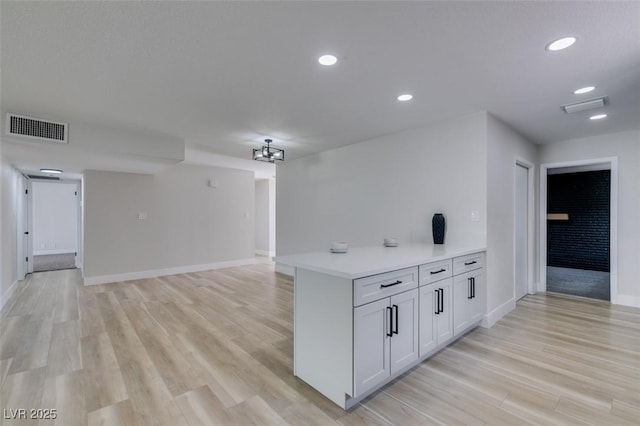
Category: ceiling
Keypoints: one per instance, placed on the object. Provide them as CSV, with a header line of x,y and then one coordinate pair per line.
x,y
222,76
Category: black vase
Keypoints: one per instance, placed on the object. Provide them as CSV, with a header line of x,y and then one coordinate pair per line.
x,y
438,228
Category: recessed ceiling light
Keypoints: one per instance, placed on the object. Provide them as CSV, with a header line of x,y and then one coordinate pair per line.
x,y
560,44
327,60
598,117
584,90
405,97
54,171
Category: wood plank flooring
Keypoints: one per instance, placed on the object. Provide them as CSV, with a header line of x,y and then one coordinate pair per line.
x,y
216,348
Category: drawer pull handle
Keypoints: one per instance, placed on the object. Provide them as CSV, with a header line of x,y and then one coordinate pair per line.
x,y
473,287
389,311
390,285
396,309
470,263
437,272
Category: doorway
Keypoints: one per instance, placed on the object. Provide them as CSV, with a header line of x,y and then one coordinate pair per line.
x,y
524,229
578,228
54,212
521,220
22,228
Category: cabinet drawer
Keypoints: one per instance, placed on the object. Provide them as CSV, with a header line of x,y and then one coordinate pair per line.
x,y
376,287
467,263
435,271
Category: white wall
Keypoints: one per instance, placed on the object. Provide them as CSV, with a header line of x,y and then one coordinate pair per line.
x,y
8,230
55,217
264,216
626,147
189,225
272,217
386,187
504,146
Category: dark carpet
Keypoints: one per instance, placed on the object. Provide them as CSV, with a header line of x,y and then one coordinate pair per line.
x,y
54,262
579,282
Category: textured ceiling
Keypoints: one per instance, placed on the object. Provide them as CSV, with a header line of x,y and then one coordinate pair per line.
x,y
225,75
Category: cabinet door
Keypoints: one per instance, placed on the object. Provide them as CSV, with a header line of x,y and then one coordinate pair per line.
x,y
404,340
476,303
461,297
428,308
444,320
371,326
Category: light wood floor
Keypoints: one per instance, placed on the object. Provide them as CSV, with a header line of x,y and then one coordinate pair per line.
x,y
216,348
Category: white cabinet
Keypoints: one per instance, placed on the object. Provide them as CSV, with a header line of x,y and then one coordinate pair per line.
x,y
468,300
371,344
365,317
385,339
436,319
404,336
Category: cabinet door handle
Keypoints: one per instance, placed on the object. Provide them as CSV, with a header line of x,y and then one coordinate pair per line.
x,y
396,309
470,296
389,312
437,300
441,300
390,285
437,272
470,263
473,287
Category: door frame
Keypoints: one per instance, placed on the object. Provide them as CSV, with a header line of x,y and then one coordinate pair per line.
x,y
79,258
613,219
531,171
23,225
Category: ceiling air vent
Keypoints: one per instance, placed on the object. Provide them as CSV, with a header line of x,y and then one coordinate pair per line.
x,y
43,177
34,128
583,106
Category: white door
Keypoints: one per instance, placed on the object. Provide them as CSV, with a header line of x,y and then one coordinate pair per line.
x,y
444,320
475,309
23,228
521,223
372,332
404,339
429,304
461,297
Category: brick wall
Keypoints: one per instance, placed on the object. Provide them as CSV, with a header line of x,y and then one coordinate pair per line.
x,y
582,242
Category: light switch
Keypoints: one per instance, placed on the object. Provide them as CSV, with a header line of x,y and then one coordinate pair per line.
x,y
475,216
142,215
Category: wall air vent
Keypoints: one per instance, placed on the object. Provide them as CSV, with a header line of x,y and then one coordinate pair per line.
x,y
583,106
35,128
43,177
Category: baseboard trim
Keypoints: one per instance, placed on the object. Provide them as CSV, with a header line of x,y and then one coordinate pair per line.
x,y
265,253
7,294
494,316
45,252
623,299
128,276
283,269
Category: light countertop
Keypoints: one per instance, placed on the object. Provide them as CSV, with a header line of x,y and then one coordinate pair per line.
x,y
364,261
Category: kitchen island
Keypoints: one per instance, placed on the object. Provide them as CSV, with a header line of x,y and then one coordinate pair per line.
x,y
364,317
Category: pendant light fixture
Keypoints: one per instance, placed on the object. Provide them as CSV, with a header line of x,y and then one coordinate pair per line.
x,y
268,153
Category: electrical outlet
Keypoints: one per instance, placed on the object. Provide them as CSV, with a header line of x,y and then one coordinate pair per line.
x,y
475,216
142,215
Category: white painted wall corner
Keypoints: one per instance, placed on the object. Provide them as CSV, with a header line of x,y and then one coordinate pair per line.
x,y
495,315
